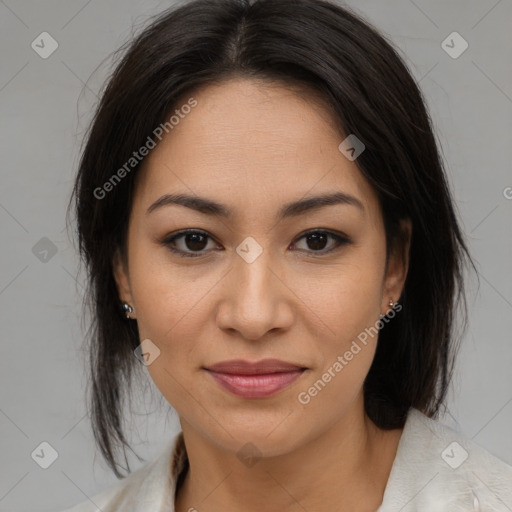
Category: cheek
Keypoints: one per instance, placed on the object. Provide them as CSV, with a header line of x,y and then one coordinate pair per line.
x,y
164,291
348,297
164,299
349,305
348,302
168,305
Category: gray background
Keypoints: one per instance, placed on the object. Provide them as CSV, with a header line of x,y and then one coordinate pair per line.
x,y
45,107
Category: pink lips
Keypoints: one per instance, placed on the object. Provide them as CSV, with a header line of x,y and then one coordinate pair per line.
x,y
255,380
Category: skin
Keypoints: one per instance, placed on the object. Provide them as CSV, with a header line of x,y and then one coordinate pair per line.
x,y
255,146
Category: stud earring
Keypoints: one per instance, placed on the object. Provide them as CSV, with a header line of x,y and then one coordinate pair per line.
x,y
127,309
391,305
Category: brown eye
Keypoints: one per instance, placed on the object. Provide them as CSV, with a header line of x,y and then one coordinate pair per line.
x,y
317,241
195,241
186,243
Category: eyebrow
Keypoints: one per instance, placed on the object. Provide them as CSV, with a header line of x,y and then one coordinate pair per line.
x,y
293,209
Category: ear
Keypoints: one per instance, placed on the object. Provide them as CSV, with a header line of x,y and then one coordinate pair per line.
x,y
398,265
121,276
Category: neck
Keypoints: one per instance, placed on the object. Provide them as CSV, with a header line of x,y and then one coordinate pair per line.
x,y
346,468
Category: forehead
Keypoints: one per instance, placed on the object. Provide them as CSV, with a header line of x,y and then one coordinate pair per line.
x,y
250,142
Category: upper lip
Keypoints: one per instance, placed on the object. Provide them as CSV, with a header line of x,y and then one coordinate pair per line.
x,y
265,366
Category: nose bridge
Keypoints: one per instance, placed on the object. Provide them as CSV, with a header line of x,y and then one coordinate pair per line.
x,y
253,303
255,278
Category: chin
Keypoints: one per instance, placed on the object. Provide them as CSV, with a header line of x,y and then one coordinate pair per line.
x,y
268,438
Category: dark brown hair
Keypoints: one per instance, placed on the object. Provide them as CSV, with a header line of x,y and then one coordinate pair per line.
x,y
329,50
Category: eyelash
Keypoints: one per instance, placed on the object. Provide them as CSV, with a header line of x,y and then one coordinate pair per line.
x,y
168,241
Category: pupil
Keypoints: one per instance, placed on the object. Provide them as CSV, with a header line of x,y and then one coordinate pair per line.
x,y
316,237
195,244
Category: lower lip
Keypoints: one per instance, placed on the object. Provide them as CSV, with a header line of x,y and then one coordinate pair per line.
x,y
255,386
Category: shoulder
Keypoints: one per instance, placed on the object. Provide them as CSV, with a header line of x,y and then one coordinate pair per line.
x,y
438,468
151,484
107,499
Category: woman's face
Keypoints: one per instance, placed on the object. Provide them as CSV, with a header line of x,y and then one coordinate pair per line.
x,y
252,284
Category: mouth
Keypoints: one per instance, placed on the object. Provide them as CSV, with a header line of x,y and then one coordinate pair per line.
x,y
255,380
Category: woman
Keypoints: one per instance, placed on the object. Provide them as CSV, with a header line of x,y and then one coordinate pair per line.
x,y
267,227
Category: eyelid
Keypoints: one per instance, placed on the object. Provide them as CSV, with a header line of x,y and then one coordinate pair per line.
x,y
167,241
340,239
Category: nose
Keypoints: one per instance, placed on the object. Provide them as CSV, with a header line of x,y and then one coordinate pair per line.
x,y
255,299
